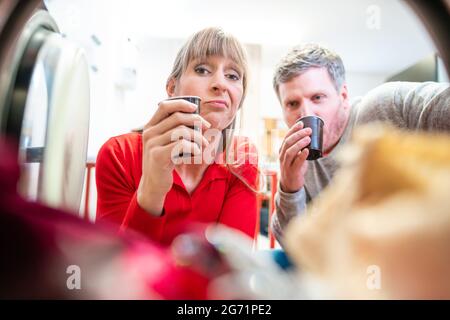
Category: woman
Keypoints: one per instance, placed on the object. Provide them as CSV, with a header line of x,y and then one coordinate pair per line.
x,y
141,183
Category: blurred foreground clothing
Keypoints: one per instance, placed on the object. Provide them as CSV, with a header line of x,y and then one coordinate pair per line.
x,y
44,251
382,229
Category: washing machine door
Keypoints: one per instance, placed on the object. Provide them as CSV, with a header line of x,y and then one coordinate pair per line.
x,y
46,111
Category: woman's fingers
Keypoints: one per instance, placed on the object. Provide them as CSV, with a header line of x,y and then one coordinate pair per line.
x,y
175,120
168,107
178,133
170,154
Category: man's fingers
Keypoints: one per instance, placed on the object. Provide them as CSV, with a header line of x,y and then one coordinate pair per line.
x,y
292,152
295,143
295,137
300,159
296,127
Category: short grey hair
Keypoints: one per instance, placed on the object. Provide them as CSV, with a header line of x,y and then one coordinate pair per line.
x,y
306,56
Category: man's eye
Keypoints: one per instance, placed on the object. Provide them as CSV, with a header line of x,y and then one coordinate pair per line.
x,y
292,104
201,70
318,97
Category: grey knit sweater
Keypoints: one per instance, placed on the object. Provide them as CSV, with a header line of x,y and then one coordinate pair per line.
x,y
409,105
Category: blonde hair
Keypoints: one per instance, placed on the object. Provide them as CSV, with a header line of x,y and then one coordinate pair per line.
x,y
209,42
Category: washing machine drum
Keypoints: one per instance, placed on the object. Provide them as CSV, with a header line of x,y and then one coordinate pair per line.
x,y
44,108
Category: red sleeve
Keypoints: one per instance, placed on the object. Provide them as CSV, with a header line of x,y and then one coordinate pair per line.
x,y
116,187
240,204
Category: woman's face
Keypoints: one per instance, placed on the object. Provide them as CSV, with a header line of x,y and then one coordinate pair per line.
x,y
218,82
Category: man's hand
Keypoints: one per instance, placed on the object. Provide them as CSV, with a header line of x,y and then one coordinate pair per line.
x,y
293,154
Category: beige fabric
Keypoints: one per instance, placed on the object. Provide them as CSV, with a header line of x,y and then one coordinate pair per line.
x,y
386,210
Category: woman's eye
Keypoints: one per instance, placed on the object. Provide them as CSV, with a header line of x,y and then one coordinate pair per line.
x,y
234,77
201,70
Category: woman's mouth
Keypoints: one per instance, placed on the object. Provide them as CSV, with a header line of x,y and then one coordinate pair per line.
x,y
220,104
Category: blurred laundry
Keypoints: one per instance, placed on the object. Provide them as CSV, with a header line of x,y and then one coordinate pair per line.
x,y
386,215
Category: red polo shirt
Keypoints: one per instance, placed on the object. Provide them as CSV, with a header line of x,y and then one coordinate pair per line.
x,y
220,197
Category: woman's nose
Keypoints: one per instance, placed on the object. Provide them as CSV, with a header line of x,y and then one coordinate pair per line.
x,y
218,82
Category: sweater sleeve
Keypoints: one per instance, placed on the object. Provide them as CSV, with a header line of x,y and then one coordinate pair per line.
x,y
116,190
288,205
426,106
408,105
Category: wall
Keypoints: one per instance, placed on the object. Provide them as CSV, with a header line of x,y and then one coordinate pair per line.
x,y
144,37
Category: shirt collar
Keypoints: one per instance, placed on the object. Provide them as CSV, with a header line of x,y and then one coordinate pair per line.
x,y
213,172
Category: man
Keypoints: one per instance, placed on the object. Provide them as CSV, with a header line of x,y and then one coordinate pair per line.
x,y
310,80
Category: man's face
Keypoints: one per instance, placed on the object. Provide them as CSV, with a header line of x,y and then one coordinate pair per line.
x,y
313,93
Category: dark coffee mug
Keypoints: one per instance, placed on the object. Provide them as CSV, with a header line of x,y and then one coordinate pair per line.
x,y
195,100
316,125
192,99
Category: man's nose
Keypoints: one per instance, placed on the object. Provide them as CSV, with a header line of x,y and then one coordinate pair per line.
x,y
306,109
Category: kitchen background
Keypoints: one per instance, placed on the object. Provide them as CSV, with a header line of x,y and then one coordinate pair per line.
x,y
130,46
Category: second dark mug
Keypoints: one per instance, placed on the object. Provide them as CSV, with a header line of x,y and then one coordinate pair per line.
x,y
316,125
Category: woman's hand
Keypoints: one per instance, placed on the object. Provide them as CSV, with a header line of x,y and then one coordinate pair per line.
x,y
167,132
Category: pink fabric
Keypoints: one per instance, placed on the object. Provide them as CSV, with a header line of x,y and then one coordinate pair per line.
x,y
38,243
